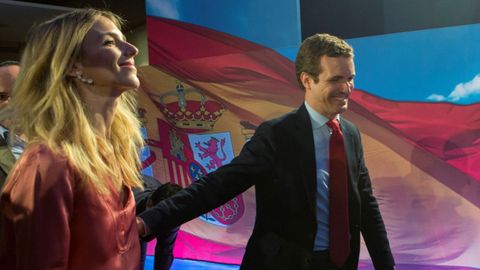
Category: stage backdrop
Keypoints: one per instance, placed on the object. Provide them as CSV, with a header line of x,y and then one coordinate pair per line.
x,y
218,69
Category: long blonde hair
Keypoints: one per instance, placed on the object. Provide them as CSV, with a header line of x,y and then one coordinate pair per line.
x,y
47,107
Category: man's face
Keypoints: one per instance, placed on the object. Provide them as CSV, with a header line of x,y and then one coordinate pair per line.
x,y
8,74
329,96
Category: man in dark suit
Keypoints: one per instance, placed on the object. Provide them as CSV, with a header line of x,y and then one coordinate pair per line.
x,y
307,171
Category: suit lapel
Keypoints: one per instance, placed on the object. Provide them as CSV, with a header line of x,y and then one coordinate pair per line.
x,y
306,154
349,148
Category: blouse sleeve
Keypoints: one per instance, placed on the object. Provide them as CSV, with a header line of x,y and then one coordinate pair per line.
x,y
37,205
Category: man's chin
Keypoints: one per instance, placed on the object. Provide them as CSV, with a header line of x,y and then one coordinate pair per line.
x,y
342,109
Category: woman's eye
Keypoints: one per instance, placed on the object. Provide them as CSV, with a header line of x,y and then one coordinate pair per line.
x,y
109,42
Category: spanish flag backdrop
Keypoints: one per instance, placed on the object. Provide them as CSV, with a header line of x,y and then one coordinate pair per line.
x,y
206,91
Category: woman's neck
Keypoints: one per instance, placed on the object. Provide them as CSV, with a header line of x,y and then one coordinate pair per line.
x,y
101,109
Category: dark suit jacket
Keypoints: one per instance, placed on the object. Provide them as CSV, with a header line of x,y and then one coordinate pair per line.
x,y
7,160
280,161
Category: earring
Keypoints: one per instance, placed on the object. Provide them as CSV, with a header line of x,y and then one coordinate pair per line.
x,y
82,79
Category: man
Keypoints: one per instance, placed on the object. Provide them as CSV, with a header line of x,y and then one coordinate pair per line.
x,y
8,73
313,190
152,193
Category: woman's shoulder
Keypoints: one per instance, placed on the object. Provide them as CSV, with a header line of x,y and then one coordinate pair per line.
x,y
40,175
40,152
43,161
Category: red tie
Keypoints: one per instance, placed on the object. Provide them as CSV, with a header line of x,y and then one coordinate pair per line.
x,y
339,229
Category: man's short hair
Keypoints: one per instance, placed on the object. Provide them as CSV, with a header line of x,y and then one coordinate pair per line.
x,y
9,63
314,47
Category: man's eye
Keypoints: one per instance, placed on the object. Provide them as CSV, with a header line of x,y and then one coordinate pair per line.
x,y
335,79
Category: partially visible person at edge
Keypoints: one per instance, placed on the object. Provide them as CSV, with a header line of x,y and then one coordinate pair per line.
x,y
313,191
67,203
8,73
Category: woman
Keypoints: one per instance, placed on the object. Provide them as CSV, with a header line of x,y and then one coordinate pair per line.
x,y
68,204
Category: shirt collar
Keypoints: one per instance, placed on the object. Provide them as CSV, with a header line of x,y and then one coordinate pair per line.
x,y
317,119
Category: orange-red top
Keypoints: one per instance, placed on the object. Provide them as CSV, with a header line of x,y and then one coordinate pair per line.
x,y
51,220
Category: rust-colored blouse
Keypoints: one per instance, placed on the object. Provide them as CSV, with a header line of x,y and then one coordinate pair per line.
x,y
51,220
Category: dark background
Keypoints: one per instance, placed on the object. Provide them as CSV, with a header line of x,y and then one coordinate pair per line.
x,y
344,18
16,18
358,18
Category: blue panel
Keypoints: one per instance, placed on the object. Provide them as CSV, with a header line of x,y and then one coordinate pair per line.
x,y
145,153
271,23
179,264
417,65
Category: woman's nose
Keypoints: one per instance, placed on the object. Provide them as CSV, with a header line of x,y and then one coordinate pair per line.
x,y
130,50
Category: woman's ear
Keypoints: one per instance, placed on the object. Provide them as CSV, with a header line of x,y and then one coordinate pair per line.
x,y
75,70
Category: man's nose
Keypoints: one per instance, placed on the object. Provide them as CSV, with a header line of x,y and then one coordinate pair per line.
x,y
348,85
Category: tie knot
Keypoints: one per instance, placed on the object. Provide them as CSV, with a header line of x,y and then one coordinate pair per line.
x,y
334,125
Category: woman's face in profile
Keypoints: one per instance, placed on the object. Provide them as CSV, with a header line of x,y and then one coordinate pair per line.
x,y
107,59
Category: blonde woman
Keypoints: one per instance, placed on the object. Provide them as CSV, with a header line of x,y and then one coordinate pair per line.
x,y
67,203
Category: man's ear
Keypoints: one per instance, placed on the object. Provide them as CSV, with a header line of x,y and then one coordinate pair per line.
x,y
306,80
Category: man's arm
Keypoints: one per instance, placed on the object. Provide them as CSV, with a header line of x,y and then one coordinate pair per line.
x,y
372,226
253,163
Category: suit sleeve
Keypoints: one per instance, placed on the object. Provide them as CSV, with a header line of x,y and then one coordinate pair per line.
x,y
252,164
37,204
141,196
7,160
372,226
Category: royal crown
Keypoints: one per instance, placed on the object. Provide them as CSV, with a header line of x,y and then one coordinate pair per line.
x,y
189,109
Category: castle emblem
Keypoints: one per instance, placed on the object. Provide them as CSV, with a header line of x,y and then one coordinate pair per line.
x,y
176,146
